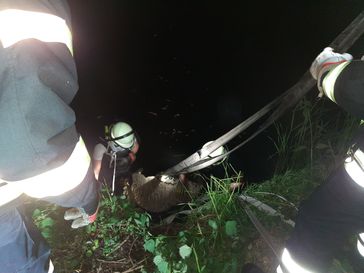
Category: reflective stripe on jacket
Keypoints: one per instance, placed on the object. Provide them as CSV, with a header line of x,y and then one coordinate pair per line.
x,y
344,86
53,182
41,153
17,25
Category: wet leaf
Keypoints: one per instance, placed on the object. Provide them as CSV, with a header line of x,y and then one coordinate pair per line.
x,y
47,222
213,224
185,251
230,228
161,264
149,245
36,213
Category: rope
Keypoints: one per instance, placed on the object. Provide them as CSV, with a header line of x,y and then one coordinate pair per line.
x,y
277,107
262,231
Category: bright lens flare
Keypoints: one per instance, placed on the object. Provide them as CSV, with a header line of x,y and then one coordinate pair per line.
x,y
290,264
17,25
53,182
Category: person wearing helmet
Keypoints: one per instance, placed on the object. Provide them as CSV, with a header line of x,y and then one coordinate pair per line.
x,y
114,160
334,211
42,156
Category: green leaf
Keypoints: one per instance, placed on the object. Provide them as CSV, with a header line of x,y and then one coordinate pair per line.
x,y
159,240
96,244
113,220
230,228
180,267
185,251
213,224
150,245
47,222
157,259
161,264
36,213
46,233
89,253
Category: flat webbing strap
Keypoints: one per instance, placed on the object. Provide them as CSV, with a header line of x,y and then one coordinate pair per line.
x,y
277,107
199,159
263,233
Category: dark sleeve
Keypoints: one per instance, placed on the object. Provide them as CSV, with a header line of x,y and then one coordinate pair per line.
x,y
38,81
349,89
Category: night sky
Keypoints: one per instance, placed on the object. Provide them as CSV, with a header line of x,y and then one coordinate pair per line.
x,y
184,72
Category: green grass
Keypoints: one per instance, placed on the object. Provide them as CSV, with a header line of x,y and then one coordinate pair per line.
x,y
212,233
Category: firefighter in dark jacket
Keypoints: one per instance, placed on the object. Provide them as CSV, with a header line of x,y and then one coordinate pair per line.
x,y
112,161
41,153
335,211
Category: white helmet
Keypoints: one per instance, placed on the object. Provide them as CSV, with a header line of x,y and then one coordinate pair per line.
x,y
122,135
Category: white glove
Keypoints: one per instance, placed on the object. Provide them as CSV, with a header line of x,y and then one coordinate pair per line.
x,y
326,59
80,217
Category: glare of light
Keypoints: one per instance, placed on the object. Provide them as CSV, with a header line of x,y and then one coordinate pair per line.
x,y
8,193
291,265
17,25
359,245
354,170
58,180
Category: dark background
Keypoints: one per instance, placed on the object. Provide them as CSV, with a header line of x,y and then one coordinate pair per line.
x,y
184,72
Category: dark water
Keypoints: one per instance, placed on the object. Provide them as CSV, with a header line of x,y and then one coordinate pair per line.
x,y
184,72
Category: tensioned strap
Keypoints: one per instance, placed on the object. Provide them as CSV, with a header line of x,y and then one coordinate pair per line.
x,y
201,159
277,107
262,231
286,263
17,25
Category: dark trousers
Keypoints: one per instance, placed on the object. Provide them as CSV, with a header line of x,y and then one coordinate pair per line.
x,y
22,248
333,213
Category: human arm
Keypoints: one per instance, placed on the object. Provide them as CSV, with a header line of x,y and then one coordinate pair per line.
x,y
97,155
41,151
133,151
341,79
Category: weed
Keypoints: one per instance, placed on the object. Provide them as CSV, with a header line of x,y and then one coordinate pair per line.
x,y
216,235
116,219
44,220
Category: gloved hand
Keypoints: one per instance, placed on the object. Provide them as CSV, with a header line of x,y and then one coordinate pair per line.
x,y
325,60
80,217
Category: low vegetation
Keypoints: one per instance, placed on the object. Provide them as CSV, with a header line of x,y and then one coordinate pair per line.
x,y
212,233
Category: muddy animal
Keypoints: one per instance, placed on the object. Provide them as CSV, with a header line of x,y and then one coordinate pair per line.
x,y
160,193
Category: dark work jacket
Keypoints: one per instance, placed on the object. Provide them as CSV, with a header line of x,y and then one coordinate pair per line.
x,y
38,81
335,210
349,88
